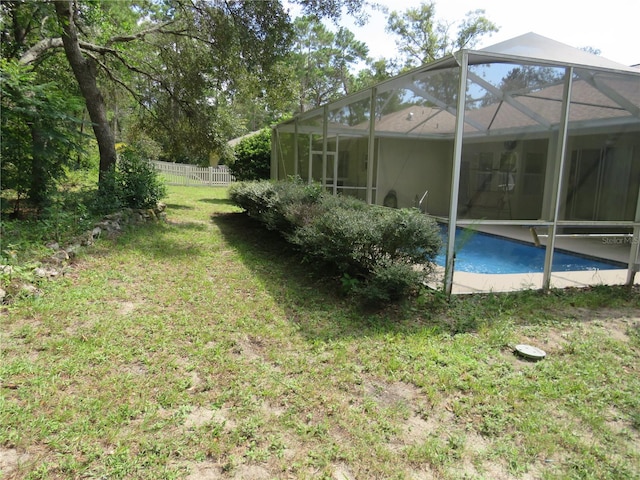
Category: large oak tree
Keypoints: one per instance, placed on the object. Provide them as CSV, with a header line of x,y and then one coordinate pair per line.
x,y
183,62
84,69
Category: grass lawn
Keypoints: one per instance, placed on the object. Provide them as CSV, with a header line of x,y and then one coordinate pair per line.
x,y
203,349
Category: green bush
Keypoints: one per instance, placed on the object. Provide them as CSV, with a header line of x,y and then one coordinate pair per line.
x,y
382,254
140,183
280,206
389,282
254,197
134,183
389,251
109,196
252,157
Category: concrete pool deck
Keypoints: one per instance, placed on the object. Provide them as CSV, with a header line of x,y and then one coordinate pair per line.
x,y
604,246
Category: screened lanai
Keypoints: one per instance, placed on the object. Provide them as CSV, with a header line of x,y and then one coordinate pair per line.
x,y
530,139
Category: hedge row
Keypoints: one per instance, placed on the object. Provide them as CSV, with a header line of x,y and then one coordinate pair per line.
x,y
381,253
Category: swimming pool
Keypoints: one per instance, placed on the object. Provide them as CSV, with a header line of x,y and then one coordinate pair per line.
x,y
485,253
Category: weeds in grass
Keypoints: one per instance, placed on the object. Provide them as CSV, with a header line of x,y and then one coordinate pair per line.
x,y
203,345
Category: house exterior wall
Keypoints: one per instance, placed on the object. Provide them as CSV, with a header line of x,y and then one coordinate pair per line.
x,y
352,166
604,188
411,166
600,182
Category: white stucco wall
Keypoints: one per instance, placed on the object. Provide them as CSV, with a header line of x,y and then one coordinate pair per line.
x,y
410,167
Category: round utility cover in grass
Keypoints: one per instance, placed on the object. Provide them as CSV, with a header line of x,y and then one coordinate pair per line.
x,y
532,353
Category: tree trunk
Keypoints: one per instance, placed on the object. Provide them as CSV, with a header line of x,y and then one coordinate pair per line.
x,y
85,73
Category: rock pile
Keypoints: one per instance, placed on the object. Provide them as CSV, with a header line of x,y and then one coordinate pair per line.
x,y
59,262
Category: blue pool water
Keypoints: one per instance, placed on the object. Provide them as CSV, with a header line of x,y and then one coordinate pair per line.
x,y
484,253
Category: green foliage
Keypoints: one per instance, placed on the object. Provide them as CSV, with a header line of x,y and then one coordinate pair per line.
x,y
280,206
381,254
253,157
254,197
146,146
39,133
66,215
321,60
134,183
389,250
139,180
240,46
109,196
421,38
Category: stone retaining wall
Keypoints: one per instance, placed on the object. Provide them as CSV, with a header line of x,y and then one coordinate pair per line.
x,y
59,262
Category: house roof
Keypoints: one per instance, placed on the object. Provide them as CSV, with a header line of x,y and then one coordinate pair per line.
x,y
532,46
235,141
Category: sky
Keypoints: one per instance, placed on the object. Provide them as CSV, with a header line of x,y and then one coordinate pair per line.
x,y
610,26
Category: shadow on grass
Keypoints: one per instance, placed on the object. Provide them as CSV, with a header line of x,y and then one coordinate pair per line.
x,y
311,298
154,241
217,201
314,301
177,206
189,225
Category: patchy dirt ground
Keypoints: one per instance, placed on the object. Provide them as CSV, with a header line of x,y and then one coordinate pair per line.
x,y
423,420
426,436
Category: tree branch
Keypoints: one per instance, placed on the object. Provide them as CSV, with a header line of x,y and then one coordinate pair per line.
x,y
39,48
140,34
112,76
138,98
46,44
42,46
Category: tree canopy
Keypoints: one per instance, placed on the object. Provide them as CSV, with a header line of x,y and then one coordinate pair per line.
x,y
39,132
322,61
178,78
422,38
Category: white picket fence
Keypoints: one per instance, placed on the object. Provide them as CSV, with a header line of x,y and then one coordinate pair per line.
x,y
191,175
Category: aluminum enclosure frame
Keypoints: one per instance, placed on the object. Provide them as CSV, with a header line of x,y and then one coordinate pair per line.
x,y
545,53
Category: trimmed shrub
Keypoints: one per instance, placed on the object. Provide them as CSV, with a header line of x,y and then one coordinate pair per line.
x,y
257,198
389,282
382,254
280,206
389,251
